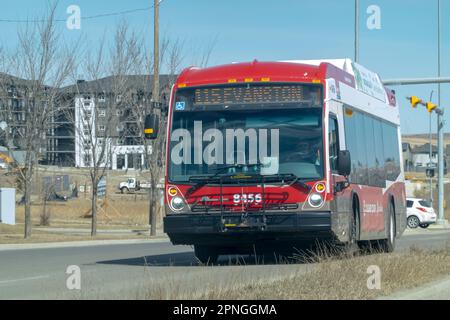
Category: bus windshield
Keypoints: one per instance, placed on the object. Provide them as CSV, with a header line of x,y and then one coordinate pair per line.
x,y
230,135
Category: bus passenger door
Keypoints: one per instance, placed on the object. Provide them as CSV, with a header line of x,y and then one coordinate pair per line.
x,y
341,204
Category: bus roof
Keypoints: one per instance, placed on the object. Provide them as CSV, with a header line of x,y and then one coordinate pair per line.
x,y
250,71
342,70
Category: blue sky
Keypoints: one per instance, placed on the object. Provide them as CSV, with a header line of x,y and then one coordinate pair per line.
x,y
406,45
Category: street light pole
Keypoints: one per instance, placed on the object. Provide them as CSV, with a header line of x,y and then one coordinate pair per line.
x,y
155,91
431,155
441,124
357,31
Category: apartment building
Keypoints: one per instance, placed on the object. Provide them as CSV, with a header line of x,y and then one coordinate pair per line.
x,y
15,97
98,113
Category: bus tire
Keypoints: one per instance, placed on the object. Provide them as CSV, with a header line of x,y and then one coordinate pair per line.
x,y
388,245
206,254
355,229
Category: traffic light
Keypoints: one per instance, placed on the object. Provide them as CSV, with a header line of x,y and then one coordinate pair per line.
x,y
415,101
151,127
431,106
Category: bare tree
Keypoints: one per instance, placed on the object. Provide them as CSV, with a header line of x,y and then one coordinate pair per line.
x,y
45,65
171,58
202,54
174,60
100,105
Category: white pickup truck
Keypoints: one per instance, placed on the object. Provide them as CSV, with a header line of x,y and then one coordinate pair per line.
x,y
133,185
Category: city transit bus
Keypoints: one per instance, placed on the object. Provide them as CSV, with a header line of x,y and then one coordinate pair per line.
x,y
266,156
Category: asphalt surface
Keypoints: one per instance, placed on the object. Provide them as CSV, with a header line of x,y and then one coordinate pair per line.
x,y
128,271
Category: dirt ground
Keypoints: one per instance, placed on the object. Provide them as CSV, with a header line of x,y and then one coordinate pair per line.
x,y
115,211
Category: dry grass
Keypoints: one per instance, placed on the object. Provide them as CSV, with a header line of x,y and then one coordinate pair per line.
x,y
14,235
119,213
116,211
119,210
420,139
332,278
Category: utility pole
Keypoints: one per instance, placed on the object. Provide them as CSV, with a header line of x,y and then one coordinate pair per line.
x,y
155,108
357,31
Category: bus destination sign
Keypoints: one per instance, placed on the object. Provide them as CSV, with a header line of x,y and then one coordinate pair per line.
x,y
253,94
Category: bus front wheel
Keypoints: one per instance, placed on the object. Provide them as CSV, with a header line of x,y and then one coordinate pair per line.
x,y
354,229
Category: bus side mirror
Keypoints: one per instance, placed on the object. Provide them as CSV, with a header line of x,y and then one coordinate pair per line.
x,y
344,163
151,127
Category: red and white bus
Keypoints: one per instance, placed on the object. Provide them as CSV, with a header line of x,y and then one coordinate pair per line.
x,y
271,155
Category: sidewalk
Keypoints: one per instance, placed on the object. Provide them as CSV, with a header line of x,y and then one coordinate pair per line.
x,y
436,290
87,231
439,227
85,243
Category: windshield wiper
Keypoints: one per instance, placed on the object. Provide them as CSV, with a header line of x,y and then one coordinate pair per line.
x,y
288,178
300,182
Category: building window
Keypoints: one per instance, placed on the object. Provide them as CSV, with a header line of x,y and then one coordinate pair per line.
x,y
87,115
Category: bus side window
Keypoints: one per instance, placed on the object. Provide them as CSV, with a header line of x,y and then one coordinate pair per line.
x,y
333,140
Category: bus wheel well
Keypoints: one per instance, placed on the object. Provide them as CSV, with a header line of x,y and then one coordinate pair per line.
x,y
392,203
355,205
355,221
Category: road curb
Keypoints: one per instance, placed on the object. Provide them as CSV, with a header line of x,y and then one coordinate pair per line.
x,y
87,243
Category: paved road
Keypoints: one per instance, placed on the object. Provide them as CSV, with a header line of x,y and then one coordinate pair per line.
x,y
128,270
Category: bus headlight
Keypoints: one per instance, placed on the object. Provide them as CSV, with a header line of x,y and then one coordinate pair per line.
x,y
177,203
315,200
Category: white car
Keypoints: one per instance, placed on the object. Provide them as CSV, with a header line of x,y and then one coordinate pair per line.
x,y
420,213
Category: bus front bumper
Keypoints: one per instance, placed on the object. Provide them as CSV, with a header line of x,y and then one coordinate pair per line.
x,y
236,229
